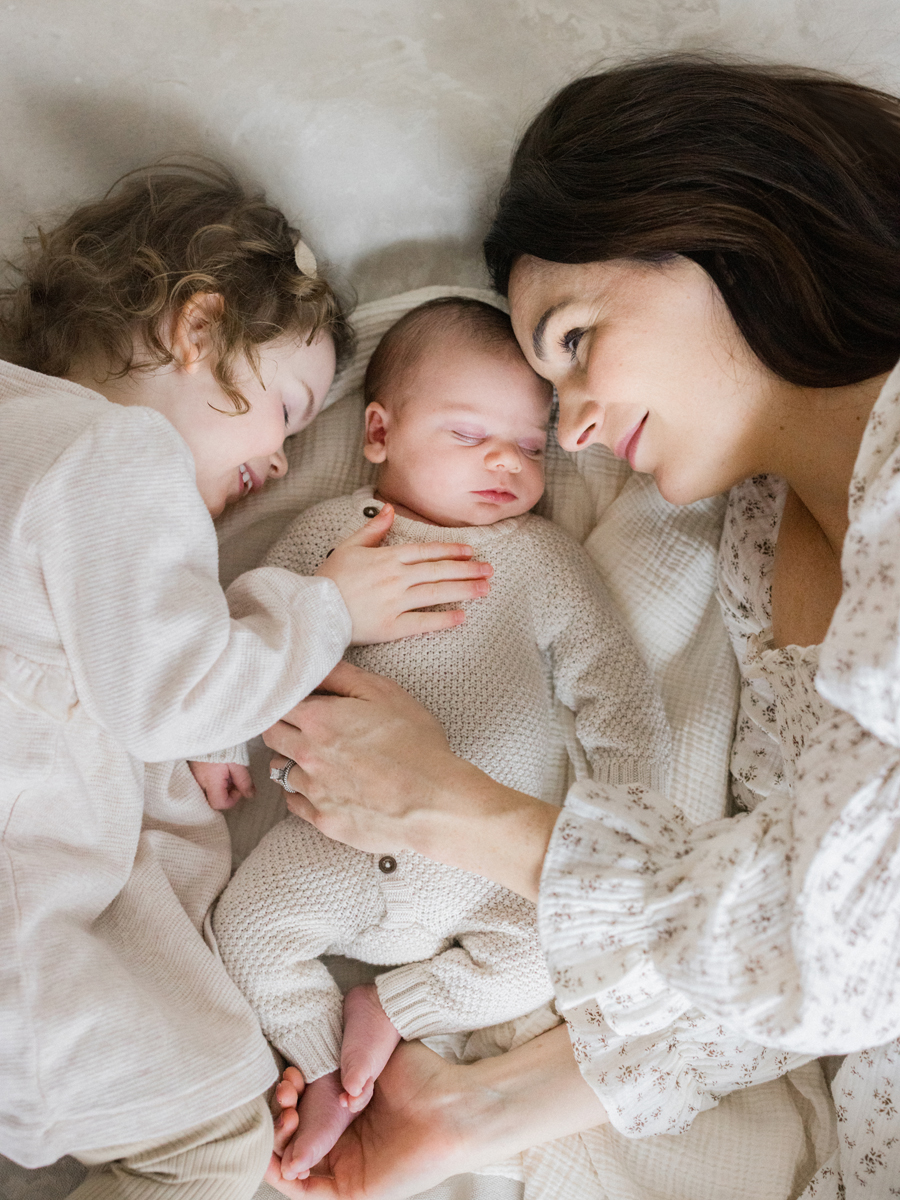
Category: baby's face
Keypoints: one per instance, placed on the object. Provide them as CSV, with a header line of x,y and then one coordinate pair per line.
x,y
463,440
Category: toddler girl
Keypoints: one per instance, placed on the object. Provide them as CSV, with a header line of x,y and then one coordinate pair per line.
x,y
163,344
457,421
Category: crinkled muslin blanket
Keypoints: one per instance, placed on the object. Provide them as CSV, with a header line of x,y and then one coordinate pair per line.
x,y
659,562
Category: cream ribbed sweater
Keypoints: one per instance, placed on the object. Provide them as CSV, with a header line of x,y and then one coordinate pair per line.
x,y
547,632
118,648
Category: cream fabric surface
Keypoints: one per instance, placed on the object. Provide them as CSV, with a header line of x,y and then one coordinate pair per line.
x,y
118,647
659,562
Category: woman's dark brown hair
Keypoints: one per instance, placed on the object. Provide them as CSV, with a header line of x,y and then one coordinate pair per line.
x,y
106,283
783,184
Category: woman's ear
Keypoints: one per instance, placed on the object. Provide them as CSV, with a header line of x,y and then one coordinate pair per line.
x,y
377,421
192,329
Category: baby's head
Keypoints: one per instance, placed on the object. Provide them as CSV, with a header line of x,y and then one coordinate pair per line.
x,y
455,417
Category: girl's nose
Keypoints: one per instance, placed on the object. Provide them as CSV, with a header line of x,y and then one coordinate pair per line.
x,y
278,465
580,420
503,458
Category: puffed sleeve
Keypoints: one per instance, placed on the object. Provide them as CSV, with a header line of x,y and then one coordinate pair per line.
x,y
163,659
782,926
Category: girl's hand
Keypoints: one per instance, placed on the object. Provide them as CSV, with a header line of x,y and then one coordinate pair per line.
x,y
374,769
384,586
223,784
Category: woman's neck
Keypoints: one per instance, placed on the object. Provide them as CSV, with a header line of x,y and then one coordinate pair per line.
x,y
815,449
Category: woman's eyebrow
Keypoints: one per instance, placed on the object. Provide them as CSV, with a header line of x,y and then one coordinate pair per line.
x,y
537,337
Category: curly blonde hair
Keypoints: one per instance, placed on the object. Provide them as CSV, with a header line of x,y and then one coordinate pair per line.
x,y
110,279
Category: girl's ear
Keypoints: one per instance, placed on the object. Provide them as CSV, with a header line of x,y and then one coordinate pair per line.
x,y
377,421
192,329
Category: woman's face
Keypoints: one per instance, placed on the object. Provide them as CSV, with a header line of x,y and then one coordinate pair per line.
x,y
646,359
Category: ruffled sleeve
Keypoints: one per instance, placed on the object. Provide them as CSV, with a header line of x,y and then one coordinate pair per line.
x,y
624,876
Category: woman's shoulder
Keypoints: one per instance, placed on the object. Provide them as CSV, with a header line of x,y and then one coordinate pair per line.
x,y
858,665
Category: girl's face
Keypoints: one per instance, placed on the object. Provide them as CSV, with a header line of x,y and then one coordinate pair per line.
x,y
646,359
235,455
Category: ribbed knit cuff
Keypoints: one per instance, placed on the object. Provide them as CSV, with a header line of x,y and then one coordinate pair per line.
x,y
625,771
315,1049
231,754
409,1004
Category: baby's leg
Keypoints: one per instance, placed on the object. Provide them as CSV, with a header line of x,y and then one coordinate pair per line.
x,y
369,1041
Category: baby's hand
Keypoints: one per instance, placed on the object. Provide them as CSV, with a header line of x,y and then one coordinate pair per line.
x,y
384,586
223,784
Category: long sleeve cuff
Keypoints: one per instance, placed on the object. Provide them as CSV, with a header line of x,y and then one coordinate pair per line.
x,y
409,1003
593,911
315,1049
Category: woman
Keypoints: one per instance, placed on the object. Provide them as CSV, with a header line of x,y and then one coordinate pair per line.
x,y
705,261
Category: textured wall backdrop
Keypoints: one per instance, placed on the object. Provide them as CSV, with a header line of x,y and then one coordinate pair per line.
x,y
384,125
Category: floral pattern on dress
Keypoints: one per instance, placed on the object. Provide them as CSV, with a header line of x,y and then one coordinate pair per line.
x,y
783,923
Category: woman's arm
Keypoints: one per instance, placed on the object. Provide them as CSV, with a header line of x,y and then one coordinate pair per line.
x,y
374,769
430,1119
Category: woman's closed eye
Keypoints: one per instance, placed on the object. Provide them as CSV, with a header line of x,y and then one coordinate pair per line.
x,y
570,341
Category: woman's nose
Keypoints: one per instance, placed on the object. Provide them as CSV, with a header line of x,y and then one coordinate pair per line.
x,y
503,458
580,420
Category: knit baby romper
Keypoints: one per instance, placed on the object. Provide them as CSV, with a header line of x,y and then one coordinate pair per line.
x,y
546,634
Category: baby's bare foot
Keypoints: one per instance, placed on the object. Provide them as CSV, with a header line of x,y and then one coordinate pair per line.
x,y
321,1121
369,1041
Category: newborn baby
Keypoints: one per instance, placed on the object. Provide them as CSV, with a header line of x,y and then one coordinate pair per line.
x,y
457,422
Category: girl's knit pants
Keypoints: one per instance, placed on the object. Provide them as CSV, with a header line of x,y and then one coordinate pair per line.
x,y
222,1159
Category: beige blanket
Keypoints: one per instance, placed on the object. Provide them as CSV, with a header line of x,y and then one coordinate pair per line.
x,y
659,561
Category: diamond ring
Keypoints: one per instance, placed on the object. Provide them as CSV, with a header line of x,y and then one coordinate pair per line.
x,y
280,775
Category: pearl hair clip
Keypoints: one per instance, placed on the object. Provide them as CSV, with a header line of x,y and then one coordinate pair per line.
x,y
305,259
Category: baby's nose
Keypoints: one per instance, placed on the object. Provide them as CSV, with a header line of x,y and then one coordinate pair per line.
x,y
504,458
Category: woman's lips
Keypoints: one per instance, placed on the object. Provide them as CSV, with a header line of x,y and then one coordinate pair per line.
x,y
497,495
626,446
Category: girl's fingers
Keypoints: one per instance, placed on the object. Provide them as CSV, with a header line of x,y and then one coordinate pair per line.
x,y
436,570
372,533
412,623
414,552
423,595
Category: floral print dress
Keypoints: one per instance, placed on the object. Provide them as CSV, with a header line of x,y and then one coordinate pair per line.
x,y
691,961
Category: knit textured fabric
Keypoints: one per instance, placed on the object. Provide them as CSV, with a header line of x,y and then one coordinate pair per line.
x,y
548,634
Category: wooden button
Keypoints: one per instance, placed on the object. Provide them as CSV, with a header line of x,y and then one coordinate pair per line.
x,y
387,864
370,511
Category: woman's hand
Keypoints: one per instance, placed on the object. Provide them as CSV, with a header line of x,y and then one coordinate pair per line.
x,y
374,770
383,586
430,1119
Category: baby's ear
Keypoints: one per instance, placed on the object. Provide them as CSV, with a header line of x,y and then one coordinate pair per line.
x,y
377,421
